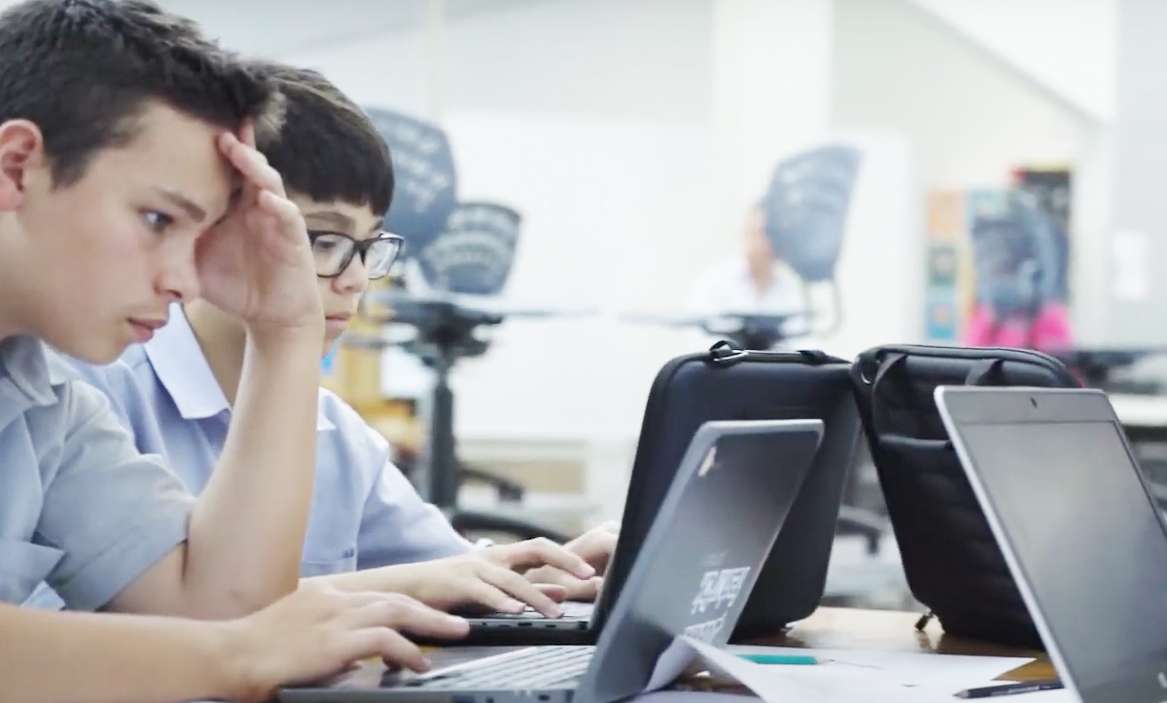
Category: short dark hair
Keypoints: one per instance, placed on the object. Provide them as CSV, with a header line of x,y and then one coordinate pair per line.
x,y
83,70
327,148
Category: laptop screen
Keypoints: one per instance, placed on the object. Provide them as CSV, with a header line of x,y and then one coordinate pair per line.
x,y
1087,537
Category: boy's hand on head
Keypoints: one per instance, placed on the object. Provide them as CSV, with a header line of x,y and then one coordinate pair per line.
x,y
319,630
256,262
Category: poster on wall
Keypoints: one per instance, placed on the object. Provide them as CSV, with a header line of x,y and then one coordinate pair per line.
x,y
1052,191
947,280
1020,261
998,263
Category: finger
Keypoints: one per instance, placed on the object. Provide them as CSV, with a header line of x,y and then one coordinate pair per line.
x,y
538,552
586,589
403,613
598,549
576,589
251,164
594,547
284,210
554,591
521,589
386,643
493,598
247,133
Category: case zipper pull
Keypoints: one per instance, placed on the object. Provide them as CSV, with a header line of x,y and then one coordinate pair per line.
x,y
924,620
726,354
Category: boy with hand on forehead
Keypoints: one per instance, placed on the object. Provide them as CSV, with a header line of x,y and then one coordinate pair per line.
x,y
369,530
128,181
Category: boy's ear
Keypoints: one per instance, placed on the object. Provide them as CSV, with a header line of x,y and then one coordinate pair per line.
x,y
22,147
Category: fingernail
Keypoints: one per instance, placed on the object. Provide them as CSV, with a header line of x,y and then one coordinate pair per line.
x,y
515,606
426,664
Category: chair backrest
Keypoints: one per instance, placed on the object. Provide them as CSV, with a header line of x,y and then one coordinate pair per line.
x,y
426,184
474,252
806,209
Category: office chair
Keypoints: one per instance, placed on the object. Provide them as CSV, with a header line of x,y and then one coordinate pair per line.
x,y
806,208
471,257
459,248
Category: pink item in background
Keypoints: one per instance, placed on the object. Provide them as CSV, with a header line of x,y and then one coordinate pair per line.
x,y
1049,331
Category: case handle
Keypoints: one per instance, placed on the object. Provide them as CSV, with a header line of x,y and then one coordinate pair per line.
x,y
982,373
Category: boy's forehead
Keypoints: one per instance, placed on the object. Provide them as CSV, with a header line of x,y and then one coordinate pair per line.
x,y
342,214
180,153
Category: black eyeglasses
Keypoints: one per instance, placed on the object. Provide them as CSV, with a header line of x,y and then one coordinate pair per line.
x,y
334,251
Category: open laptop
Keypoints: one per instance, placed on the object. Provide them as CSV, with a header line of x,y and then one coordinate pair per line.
x,y
1078,527
688,392
692,576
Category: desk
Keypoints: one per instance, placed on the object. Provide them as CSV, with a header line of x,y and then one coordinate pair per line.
x,y
894,631
827,628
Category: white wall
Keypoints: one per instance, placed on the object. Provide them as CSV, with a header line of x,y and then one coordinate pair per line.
x,y
969,118
593,120
1138,317
1065,47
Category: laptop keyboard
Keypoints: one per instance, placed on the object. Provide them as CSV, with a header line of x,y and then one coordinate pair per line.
x,y
572,610
538,667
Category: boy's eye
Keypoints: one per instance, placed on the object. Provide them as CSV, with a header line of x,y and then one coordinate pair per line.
x,y
157,221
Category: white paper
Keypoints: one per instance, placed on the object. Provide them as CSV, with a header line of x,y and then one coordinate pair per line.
x,y
692,697
671,663
908,668
858,676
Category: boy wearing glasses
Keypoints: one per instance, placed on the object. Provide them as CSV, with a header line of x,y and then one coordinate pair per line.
x,y
128,180
369,530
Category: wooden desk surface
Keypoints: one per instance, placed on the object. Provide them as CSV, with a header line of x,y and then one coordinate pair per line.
x,y
894,631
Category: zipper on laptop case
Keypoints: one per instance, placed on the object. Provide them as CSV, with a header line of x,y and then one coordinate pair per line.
x,y
724,353
923,621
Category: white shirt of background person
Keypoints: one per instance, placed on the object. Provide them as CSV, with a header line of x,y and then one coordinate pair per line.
x,y
752,280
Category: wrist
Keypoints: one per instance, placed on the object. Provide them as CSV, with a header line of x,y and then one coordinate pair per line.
x,y
234,663
307,336
405,579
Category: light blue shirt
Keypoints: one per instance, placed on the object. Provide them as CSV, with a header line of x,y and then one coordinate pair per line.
x,y
364,512
80,507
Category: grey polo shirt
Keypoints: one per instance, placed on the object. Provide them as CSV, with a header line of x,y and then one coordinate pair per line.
x,y
80,507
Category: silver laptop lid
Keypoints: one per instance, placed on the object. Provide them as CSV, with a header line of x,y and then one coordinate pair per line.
x,y
1078,527
707,543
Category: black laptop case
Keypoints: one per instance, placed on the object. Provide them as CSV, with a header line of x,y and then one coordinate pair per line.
x,y
731,384
951,560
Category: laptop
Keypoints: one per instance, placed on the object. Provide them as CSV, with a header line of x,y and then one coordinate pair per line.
x,y
688,392
692,576
1078,527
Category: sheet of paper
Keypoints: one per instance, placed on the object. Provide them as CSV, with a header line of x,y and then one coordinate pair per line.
x,y
693,697
911,668
674,660
858,676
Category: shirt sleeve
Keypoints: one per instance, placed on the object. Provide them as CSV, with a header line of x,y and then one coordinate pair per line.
x,y
113,511
397,526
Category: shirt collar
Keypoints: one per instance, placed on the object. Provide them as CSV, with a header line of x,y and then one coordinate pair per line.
x,y
182,369
25,371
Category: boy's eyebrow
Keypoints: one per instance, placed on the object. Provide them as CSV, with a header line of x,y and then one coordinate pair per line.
x,y
377,226
336,219
193,211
